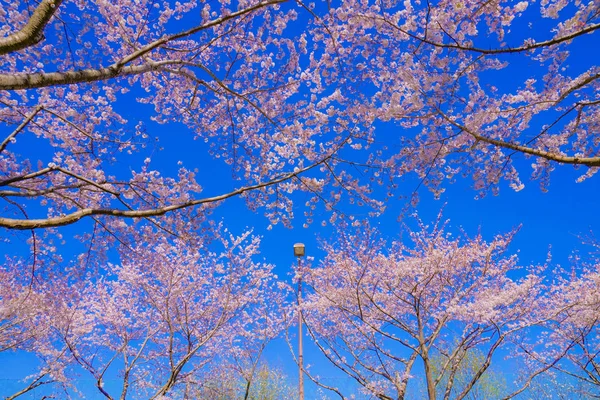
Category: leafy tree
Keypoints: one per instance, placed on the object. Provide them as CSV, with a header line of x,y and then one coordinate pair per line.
x,y
491,384
270,384
266,383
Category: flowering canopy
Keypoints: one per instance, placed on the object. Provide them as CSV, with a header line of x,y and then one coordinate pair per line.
x,y
329,100
382,315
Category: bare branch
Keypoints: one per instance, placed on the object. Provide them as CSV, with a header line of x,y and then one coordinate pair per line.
x,y
24,177
37,382
27,120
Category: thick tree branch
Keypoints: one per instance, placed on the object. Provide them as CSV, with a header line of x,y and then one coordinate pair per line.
x,y
17,81
218,21
43,79
31,33
574,160
12,223
508,50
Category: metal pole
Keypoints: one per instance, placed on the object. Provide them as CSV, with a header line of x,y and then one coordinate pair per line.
x,y
300,356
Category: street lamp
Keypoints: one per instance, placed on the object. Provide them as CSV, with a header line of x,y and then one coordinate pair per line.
x,y
299,252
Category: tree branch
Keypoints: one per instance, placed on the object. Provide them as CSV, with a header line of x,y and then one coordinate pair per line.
x,y
44,79
15,81
12,223
31,33
574,160
27,120
37,382
508,50
218,21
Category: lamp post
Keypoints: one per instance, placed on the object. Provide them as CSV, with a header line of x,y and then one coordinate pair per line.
x,y
299,252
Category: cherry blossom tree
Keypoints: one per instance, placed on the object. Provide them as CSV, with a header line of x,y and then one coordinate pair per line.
x,y
384,316
232,77
570,344
290,98
278,88
480,82
26,326
152,325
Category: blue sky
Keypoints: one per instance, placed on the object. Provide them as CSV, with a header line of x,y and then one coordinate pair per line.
x,y
555,219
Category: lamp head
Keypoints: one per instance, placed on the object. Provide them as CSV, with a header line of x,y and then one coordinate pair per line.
x,y
299,249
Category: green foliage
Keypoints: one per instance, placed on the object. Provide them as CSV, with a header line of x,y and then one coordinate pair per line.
x,y
266,383
271,384
491,385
